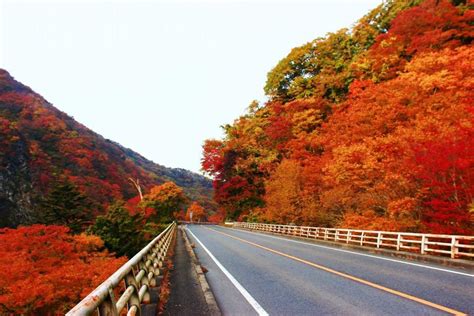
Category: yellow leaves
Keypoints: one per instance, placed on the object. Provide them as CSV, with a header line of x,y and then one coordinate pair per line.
x,y
88,243
438,80
164,192
388,42
449,69
283,191
253,107
306,121
368,219
164,200
357,163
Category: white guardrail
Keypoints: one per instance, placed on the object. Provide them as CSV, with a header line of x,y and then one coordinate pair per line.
x,y
454,246
132,281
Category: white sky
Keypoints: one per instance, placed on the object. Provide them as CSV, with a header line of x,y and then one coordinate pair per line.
x,y
159,77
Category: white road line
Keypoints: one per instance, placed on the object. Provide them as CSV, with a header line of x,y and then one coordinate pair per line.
x,y
359,254
259,309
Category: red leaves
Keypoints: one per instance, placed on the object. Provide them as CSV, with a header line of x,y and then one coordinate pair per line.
x,y
197,211
218,217
279,130
446,169
44,270
212,161
431,26
234,189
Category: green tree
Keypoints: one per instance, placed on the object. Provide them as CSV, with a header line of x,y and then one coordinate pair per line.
x,y
122,232
323,67
65,205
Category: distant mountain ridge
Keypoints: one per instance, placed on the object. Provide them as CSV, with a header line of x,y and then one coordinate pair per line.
x,y
40,145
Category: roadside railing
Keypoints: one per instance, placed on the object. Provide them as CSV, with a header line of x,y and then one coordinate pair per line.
x,y
137,275
454,246
196,223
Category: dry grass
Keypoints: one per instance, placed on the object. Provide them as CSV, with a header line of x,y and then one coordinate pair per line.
x,y
165,287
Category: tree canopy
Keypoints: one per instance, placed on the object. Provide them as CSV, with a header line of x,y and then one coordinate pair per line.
x,y
369,127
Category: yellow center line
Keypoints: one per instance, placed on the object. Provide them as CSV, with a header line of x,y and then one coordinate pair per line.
x,y
348,276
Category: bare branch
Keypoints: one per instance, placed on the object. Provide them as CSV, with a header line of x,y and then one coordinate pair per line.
x,y
136,184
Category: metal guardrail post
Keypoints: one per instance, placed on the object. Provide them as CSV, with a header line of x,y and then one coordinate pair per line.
x,y
454,249
423,245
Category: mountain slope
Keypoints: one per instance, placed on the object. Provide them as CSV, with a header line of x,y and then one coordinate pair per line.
x,y
40,145
370,127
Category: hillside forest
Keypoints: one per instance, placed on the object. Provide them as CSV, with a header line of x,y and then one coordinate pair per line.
x,y
74,206
369,127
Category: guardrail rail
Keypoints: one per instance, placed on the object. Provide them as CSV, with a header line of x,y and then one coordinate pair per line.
x,y
455,246
138,275
196,223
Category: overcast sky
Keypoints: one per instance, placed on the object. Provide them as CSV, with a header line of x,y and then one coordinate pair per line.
x,y
159,77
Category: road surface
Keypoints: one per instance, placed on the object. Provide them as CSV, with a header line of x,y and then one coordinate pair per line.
x,y
257,274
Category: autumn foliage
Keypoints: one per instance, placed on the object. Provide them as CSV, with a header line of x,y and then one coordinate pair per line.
x,y
164,200
41,146
55,171
367,128
44,270
197,212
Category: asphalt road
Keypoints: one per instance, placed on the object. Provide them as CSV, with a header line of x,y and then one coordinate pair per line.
x,y
252,273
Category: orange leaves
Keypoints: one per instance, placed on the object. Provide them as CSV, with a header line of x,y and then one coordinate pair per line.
x,y
163,193
165,200
283,193
44,270
448,70
403,207
371,141
217,217
197,212
431,26
88,243
358,164
371,221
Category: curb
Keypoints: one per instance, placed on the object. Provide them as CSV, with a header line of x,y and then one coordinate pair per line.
x,y
456,263
206,289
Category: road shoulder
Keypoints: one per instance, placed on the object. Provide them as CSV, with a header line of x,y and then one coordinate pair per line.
x,y
188,295
208,295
